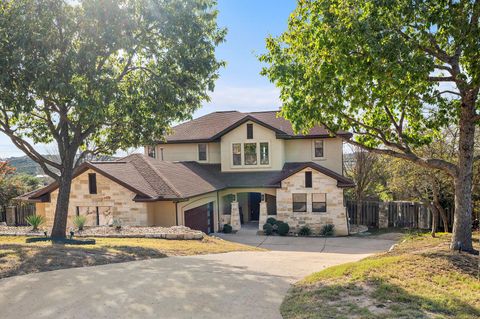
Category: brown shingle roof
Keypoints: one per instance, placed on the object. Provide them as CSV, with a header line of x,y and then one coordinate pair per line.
x,y
212,126
154,180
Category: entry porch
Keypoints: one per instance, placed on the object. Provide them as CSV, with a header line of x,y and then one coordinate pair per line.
x,y
248,207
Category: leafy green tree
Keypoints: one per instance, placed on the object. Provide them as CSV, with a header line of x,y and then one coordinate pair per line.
x,y
95,76
394,72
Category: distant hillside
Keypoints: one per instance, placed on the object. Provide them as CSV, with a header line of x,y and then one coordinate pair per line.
x,y
26,165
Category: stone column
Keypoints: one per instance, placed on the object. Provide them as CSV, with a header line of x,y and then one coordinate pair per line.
x,y
235,216
262,218
383,215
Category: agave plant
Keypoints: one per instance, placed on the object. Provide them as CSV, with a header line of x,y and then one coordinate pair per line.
x,y
79,221
35,221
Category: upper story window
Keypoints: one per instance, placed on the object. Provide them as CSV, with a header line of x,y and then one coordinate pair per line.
x,y
250,150
249,131
202,152
319,203
264,158
92,183
318,149
308,179
251,154
237,153
151,151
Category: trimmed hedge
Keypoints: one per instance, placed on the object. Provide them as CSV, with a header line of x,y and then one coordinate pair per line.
x,y
268,229
283,229
227,229
271,221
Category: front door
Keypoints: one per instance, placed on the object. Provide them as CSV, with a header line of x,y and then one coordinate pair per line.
x,y
254,205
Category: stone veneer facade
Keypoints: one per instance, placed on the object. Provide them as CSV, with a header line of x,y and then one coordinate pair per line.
x,y
336,211
111,197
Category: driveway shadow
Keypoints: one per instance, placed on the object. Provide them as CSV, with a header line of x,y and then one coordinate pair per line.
x,y
176,287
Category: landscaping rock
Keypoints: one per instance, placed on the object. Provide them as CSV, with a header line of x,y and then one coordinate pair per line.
x,y
175,232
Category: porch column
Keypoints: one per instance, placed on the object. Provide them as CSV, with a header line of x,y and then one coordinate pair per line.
x,y
235,216
262,218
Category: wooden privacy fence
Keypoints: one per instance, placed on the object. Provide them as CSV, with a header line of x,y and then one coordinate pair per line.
x,y
389,214
15,215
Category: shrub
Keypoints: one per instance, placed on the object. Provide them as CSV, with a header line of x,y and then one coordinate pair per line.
x,y
117,224
327,230
35,221
283,229
268,229
79,221
227,229
304,231
271,221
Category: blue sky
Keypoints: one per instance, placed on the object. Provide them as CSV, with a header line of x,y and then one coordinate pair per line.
x,y
240,86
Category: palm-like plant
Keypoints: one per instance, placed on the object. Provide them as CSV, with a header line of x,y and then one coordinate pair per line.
x,y
35,221
79,221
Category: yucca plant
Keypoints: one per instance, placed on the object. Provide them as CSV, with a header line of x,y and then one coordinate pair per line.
x,y
35,221
79,221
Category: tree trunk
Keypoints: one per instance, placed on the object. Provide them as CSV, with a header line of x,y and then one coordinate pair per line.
x,y
434,219
439,208
462,225
61,210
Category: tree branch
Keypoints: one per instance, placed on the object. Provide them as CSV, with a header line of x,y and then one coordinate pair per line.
x,y
435,163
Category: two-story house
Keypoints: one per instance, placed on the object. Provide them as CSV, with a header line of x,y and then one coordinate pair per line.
x,y
221,168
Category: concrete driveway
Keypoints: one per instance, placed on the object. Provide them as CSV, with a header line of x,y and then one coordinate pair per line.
x,y
231,285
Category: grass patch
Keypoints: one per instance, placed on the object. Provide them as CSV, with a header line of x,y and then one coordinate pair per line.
x,y
18,257
421,278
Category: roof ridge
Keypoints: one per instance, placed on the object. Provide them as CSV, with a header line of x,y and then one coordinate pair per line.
x,y
162,176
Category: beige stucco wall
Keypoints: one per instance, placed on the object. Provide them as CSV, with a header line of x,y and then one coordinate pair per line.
x,y
187,152
161,213
260,134
109,195
336,212
301,150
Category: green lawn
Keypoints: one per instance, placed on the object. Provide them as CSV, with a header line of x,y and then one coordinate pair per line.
x,y
421,278
17,257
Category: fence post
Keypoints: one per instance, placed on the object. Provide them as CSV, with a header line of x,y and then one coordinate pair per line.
x,y
10,216
383,215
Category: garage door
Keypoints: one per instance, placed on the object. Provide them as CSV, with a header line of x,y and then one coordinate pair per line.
x,y
200,218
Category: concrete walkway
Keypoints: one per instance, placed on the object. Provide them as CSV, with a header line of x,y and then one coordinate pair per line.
x,y
231,285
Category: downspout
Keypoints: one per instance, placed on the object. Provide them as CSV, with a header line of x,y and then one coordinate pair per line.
x,y
218,213
176,213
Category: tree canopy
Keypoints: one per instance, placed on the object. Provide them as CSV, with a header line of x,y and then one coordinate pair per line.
x,y
95,76
395,73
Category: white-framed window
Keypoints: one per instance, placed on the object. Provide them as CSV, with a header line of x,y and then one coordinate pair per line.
x,y
151,151
299,202
252,153
202,152
319,203
264,153
318,149
237,154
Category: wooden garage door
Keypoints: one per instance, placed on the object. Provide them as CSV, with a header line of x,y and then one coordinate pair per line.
x,y
200,218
